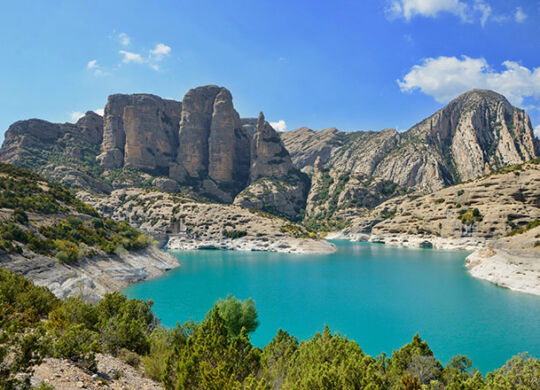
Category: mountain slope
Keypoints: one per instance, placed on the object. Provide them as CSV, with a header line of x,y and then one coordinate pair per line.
x,y
56,240
475,134
477,211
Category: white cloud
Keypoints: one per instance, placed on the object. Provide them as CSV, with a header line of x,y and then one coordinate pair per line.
x,y
124,39
520,15
469,11
76,115
483,9
444,78
92,64
537,131
99,111
131,57
428,8
160,51
279,125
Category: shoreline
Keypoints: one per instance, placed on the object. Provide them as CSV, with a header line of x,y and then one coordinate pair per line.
x,y
516,270
280,245
93,278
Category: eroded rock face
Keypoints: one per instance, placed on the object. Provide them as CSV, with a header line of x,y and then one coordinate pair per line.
x,y
275,185
57,150
475,134
195,124
214,147
269,156
140,131
91,125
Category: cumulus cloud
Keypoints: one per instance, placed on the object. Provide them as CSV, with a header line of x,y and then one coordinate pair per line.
x,y
537,131
444,78
520,15
160,51
279,125
92,64
76,115
124,39
469,11
429,8
131,57
99,111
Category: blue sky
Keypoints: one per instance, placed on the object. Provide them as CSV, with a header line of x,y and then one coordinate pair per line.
x,y
355,65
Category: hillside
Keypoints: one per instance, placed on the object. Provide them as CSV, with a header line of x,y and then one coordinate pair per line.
x,y
476,133
483,209
199,145
56,240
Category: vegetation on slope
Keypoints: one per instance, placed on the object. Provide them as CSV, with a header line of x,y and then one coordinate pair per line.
x,y
39,217
216,353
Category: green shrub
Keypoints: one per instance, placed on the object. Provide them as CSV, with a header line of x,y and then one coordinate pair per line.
x,y
234,233
129,357
20,216
531,225
470,216
79,345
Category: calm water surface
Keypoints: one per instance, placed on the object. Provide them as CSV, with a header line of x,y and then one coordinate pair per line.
x,y
378,296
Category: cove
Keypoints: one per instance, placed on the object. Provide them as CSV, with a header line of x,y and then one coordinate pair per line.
x,y
376,295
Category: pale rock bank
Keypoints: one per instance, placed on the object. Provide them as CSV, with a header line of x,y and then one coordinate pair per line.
x,y
511,262
282,245
92,278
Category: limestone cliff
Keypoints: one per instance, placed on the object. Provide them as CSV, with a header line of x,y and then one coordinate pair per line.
x,y
140,131
486,208
475,134
275,185
62,152
213,145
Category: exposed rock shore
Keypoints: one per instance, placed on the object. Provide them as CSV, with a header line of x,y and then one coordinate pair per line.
x,y
282,245
511,262
188,225
92,278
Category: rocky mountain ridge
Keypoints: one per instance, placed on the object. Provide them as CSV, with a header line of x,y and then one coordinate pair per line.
x,y
475,134
201,147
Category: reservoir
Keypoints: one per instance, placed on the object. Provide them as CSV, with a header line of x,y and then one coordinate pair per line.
x,y
378,296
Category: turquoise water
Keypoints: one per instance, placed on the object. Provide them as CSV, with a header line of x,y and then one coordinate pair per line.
x,y
378,296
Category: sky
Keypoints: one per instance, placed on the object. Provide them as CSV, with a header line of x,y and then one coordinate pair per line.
x,y
354,65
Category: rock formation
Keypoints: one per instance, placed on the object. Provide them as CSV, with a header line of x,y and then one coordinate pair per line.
x,y
475,134
213,145
269,156
276,186
140,131
58,151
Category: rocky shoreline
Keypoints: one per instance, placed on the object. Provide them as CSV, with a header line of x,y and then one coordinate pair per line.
x,y
281,245
93,278
496,261
516,271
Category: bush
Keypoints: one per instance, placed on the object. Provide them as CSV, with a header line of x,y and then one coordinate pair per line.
x,y
470,216
20,216
79,345
234,233
129,357
125,323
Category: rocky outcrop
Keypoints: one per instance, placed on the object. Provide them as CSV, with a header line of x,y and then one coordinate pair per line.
x,y
213,144
484,209
276,186
140,131
60,152
475,134
92,278
186,224
269,156
336,197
